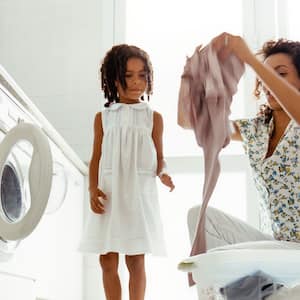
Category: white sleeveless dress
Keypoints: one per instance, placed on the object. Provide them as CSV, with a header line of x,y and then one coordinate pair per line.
x,y
131,223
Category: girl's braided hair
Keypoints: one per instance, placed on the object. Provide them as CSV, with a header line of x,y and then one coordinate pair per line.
x,y
288,47
113,68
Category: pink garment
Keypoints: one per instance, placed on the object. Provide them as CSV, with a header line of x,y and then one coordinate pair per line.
x,y
205,96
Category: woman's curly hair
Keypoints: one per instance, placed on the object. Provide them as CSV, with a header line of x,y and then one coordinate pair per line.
x,y
288,47
113,68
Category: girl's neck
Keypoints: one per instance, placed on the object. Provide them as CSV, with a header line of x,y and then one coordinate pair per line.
x,y
129,101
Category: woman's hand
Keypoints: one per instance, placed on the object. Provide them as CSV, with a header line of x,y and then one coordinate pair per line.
x,y
167,180
96,197
226,43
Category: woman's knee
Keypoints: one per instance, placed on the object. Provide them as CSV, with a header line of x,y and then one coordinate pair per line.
x,y
109,262
194,216
135,263
213,225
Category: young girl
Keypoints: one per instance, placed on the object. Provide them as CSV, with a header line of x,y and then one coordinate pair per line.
x,y
127,156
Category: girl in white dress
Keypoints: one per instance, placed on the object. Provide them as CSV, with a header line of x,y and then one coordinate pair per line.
x,y
127,156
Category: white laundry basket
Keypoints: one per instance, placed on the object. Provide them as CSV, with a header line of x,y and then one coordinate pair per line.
x,y
223,265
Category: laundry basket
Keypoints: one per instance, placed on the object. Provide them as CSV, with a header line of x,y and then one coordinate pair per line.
x,y
223,265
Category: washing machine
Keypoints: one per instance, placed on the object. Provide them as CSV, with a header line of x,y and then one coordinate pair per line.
x,y
42,188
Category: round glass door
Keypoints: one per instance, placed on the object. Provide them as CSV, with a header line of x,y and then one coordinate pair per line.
x,y
11,203
11,194
26,175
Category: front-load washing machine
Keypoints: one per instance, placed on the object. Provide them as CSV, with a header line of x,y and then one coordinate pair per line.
x,y
42,188
25,183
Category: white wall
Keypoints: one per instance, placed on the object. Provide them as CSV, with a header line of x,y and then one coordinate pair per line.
x,y
53,48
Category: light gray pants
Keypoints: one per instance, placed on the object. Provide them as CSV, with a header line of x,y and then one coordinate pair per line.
x,y
222,229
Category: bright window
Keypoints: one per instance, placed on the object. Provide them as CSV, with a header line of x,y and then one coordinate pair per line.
x,y
293,21
169,31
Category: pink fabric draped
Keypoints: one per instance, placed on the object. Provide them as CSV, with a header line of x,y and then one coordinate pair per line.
x,y
207,86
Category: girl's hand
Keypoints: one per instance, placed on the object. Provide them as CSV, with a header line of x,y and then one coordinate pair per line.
x,y
96,197
167,180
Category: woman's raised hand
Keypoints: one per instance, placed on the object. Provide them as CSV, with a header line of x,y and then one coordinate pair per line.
x,y
226,43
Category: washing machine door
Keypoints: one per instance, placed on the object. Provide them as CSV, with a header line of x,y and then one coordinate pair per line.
x,y
15,226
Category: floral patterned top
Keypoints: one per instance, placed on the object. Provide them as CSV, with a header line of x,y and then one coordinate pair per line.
x,y
277,177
